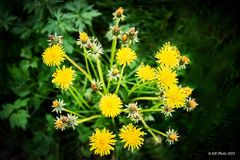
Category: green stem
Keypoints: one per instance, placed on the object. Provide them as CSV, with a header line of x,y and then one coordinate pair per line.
x,y
113,49
87,111
93,68
159,132
88,119
134,87
86,62
150,110
108,85
101,74
138,85
146,98
78,67
149,129
119,81
76,98
81,97
72,112
100,93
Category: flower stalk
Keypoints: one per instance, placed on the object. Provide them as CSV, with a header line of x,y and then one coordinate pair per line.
x,y
78,67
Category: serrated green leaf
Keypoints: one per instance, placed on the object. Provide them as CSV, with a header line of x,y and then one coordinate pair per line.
x,y
20,103
19,119
26,53
6,111
24,65
34,63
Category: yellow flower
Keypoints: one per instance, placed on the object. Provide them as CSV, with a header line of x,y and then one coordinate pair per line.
x,y
146,73
102,141
64,77
168,56
187,91
175,97
53,55
132,136
166,77
83,37
110,105
125,56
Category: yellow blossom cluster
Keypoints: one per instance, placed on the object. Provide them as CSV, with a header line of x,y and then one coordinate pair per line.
x,y
102,141
107,88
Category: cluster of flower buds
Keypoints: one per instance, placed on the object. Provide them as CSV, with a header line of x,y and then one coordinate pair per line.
x,y
184,60
134,113
114,73
62,122
91,44
96,85
58,106
191,104
167,111
118,14
54,39
126,37
172,136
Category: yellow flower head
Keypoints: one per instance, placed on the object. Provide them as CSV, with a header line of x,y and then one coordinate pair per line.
x,y
64,77
102,141
132,136
187,91
83,37
168,56
53,55
110,105
125,56
166,77
175,97
146,73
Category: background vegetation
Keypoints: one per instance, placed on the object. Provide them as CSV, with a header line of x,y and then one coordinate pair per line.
x,y
206,30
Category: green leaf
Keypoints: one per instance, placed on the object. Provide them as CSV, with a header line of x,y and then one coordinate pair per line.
x,y
6,21
34,63
7,110
20,103
19,119
61,23
83,14
24,65
26,53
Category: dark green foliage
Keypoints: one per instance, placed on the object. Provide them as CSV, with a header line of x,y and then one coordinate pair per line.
x,y
207,31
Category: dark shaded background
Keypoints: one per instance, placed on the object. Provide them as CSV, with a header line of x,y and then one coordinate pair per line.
x,y
206,30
